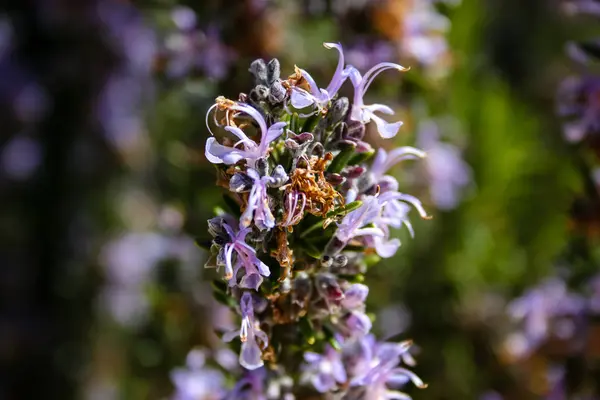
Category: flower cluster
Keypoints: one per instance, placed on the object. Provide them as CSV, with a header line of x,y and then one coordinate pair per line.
x,y
305,207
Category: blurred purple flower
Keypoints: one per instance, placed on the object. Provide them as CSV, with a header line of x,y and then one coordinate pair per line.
x,y
127,90
357,322
20,157
447,173
538,308
190,48
129,262
374,367
424,29
325,370
250,387
250,354
595,295
196,381
217,153
365,113
579,103
365,55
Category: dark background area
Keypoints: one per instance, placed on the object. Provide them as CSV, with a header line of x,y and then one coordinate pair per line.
x,y
104,184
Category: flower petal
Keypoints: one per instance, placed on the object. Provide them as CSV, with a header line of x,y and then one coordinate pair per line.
x,y
251,281
355,296
263,268
273,133
250,355
217,153
338,371
311,357
300,98
229,336
386,129
386,248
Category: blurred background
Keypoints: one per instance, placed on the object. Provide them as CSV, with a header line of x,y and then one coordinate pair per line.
x,y
104,185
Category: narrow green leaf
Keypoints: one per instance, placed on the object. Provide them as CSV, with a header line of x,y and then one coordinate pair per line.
x,y
344,209
360,157
311,250
311,122
295,123
341,160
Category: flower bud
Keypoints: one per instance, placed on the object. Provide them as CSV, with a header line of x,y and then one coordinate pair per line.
x,y
276,93
338,111
279,177
240,182
258,68
273,71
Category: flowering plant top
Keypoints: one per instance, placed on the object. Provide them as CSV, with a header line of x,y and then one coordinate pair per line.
x,y
308,212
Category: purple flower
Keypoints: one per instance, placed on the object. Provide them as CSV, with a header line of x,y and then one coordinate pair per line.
x,y
196,381
448,174
366,113
579,101
595,296
293,212
237,254
372,220
300,98
325,370
354,224
356,322
250,387
375,367
384,161
424,30
251,151
251,353
539,307
258,200
364,55
189,48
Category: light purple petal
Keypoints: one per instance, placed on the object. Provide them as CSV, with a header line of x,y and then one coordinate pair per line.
x,y
229,261
311,357
254,113
314,89
338,371
246,305
250,355
355,296
229,336
386,129
395,395
251,281
376,70
382,108
217,153
300,98
323,383
240,135
386,248
358,322
340,74
253,199
263,338
411,375
263,268
274,132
